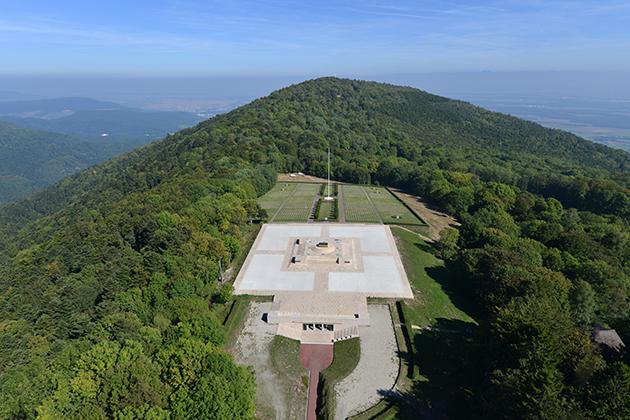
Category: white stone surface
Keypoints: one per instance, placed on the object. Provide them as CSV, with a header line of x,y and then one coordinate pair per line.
x,y
264,274
276,236
381,273
373,238
380,276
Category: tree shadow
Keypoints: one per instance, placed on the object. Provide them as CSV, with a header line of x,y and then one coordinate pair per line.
x,y
455,285
448,363
449,368
424,246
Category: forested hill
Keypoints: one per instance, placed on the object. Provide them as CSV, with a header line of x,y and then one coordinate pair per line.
x,y
364,122
32,160
110,297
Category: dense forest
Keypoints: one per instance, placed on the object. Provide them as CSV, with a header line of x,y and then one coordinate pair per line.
x,y
32,160
43,141
111,296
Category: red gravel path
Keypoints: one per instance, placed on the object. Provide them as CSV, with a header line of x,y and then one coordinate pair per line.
x,y
314,357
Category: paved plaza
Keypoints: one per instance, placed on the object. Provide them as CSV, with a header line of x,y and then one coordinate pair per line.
x,y
317,258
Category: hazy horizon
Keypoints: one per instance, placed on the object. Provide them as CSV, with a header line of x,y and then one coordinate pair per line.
x,y
594,105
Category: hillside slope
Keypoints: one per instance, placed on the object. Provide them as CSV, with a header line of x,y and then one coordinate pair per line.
x,y
363,122
123,258
32,160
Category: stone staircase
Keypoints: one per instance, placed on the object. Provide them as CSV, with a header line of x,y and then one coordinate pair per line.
x,y
346,333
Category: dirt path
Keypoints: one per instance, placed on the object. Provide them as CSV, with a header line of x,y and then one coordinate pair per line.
x,y
304,178
377,368
252,348
435,219
315,358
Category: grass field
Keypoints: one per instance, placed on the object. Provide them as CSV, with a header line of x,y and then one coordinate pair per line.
x,y
274,198
292,202
289,202
433,359
327,211
368,204
357,207
427,275
298,206
285,359
389,208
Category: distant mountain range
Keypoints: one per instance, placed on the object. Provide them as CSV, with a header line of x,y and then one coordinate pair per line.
x,y
44,140
49,109
92,119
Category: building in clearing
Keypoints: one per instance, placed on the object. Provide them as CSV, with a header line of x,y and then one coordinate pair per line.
x,y
608,340
320,276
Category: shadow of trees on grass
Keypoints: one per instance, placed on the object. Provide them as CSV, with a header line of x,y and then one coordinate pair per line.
x,y
448,372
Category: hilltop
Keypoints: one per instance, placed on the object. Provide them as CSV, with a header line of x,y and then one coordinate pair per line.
x,y
367,124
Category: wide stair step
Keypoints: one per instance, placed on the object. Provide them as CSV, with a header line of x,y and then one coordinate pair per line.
x,y
346,333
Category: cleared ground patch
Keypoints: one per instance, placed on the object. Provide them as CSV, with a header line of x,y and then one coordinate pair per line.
x,y
435,219
285,358
280,386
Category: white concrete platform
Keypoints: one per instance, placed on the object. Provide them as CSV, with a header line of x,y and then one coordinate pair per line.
x,y
265,273
379,273
380,278
321,275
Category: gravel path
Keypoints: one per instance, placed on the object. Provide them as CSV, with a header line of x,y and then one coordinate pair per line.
x,y
377,369
252,348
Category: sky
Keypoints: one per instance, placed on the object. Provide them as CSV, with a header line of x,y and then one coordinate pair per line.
x,y
271,38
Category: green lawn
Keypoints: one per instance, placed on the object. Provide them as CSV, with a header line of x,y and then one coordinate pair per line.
x,y
327,211
274,198
389,208
432,362
293,378
426,274
235,318
346,357
357,207
298,206
369,204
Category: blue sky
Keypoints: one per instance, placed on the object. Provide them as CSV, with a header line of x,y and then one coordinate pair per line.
x,y
279,37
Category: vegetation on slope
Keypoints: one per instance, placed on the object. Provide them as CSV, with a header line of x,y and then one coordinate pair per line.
x,y
115,269
32,160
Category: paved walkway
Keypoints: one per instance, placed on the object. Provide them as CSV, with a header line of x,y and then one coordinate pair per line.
x,y
377,369
315,357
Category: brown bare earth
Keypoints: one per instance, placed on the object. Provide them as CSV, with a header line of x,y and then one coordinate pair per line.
x,y
435,219
296,177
